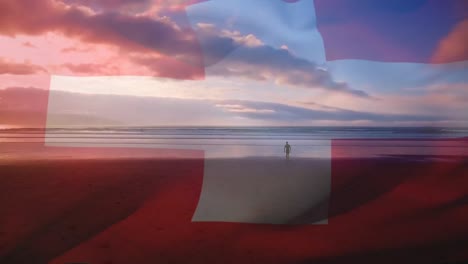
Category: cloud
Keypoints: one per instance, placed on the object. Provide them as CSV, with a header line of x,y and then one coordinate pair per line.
x,y
231,54
109,4
7,67
28,44
141,40
18,106
444,100
135,4
454,47
128,32
76,49
249,40
166,66
286,113
92,69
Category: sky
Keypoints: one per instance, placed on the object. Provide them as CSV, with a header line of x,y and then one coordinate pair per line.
x,y
223,62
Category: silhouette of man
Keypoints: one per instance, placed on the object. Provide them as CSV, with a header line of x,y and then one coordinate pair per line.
x,y
287,149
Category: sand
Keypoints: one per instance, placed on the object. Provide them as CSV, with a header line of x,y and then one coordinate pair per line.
x,y
386,210
268,190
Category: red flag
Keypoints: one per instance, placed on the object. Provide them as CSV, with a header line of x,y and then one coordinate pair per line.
x,y
404,207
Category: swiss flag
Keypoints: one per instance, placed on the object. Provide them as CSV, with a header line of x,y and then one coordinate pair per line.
x,y
403,208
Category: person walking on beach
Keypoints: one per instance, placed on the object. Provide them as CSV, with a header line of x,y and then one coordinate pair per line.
x,y
287,149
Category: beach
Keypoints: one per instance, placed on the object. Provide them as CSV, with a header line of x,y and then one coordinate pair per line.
x,y
229,195
141,210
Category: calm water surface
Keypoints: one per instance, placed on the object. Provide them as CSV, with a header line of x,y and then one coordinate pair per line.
x,y
314,142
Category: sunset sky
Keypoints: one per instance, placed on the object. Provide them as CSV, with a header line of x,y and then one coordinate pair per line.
x,y
222,62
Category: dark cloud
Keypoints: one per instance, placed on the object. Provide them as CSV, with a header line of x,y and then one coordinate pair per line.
x,y
112,4
230,56
141,37
128,32
166,66
91,69
132,4
13,68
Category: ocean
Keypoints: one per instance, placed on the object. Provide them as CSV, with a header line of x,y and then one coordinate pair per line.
x,y
234,142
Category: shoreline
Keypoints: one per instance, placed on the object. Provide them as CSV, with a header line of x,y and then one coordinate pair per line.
x,y
383,157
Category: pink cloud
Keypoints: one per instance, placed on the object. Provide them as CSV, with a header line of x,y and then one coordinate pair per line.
x,y
91,69
109,3
132,4
28,44
123,32
60,55
13,68
455,46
